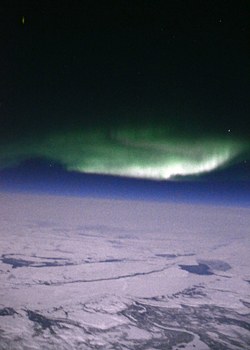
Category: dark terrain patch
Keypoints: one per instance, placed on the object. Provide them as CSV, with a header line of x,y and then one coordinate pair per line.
x,y
191,292
202,320
42,321
170,256
7,311
15,262
111,260
200,269
218,265
245,303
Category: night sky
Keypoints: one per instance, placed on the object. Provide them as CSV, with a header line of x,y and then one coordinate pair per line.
x,y
155,90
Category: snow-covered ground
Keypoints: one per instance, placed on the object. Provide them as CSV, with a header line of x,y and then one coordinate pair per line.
x,y
108,274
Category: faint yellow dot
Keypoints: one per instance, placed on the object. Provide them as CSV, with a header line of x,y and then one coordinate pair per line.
x,y
23,20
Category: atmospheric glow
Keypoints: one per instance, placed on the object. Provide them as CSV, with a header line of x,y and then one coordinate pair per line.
x,y
154,157
144,153
164,171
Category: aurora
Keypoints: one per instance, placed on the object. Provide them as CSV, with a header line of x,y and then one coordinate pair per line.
x,y
139,153
128,92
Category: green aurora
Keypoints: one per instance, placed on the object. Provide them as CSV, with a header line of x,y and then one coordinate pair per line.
x,y
133,152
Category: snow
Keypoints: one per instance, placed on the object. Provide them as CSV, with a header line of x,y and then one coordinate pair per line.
x,y
82,264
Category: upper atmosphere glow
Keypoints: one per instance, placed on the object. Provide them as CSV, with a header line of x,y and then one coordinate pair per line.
x,y
142,153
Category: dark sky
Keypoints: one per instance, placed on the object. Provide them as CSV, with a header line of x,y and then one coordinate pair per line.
x,y
149,89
